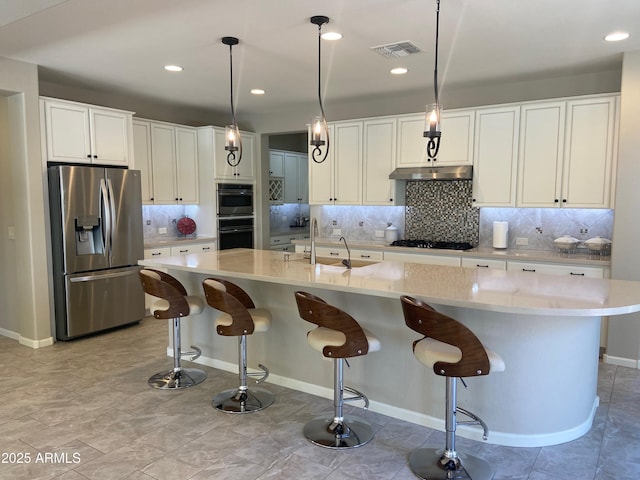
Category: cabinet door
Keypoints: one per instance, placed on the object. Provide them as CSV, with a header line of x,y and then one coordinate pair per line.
x,y
245,169
186,164
588,154
303,178
142,158
109,136
157,252
291,167
456,143
496,149
378,160
164,163
411,148
555,269
348,163
540,154
321,190
445,260
483,263
276,163
67,130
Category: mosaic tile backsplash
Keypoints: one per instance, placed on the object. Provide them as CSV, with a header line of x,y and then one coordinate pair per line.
x,y
442,211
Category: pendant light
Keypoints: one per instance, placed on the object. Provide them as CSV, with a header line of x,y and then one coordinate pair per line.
x,y
319,128
233,141
434,111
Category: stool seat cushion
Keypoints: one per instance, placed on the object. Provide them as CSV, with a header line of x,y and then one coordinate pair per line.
x,y
322,337
429,351
195,302
261,319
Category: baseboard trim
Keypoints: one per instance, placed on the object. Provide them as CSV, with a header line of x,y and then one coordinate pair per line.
x,y
9,334
621,361
473,433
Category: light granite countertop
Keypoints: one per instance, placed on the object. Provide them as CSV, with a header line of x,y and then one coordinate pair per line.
x,y
551,256
481,289
174,241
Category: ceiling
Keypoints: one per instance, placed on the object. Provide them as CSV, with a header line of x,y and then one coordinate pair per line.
x,y
121,46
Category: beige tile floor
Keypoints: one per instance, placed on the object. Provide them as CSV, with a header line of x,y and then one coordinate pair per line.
x,y
82,410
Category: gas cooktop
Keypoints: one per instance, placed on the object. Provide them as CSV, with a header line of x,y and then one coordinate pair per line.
x,y
432,244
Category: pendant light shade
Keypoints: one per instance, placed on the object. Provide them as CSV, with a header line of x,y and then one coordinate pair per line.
x,y
233,141
434,111
319,129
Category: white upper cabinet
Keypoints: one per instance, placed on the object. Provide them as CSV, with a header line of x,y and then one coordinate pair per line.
x,y
495,154
142,157
540,155
245,170
456,147
589,151
379,155
338,179
167,156
80,133
276,163
567,153
296,177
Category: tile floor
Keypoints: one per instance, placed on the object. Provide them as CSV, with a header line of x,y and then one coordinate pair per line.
x,y
83,410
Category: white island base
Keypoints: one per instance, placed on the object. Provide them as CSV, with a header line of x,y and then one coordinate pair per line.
x,y
547,394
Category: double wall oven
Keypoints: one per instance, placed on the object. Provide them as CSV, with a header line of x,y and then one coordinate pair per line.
x,y
235,215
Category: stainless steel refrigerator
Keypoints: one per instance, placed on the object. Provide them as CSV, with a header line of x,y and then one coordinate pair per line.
x,y
96,236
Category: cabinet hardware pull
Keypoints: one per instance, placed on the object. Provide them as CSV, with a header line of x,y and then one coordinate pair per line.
x,y
206,248
482,266
365,256
335,254
88,155
577,274
528,270
155,254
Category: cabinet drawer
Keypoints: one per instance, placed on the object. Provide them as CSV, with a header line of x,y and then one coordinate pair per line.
x,y
554,269
157,252
282,239
367,254
484,263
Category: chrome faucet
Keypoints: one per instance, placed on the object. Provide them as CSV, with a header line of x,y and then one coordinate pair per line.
x,y
347,261
313,232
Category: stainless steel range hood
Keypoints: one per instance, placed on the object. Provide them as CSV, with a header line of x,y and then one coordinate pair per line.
x,y
464,172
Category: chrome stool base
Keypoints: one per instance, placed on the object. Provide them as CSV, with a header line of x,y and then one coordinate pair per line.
x,y
247,401
425,463
172,380
350,433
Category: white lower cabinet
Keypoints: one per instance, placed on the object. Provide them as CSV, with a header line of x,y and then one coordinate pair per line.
x,y
157,252
192,248
555,269
484,263
356,254
445,260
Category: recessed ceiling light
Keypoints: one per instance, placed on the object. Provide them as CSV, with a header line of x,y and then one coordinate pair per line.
x,y
331,36
616,36
173,68
257,91
399,71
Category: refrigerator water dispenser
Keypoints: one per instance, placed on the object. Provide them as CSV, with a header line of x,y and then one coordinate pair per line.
x,y
88,236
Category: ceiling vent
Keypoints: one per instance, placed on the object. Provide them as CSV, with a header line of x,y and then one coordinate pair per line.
x,y
397,50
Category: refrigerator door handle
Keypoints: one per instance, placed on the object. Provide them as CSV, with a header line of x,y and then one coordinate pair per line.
x,y
112,216
89,278
106,224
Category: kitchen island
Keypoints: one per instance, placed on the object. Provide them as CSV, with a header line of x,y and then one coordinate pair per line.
x,y
545,328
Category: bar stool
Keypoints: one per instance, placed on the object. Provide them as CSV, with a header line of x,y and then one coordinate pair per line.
x,y
173,303
453,351
240,318
338,337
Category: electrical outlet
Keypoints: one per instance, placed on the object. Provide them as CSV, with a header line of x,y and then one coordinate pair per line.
x,y
12,232
162,230
337,231
284,218
522,241
379,233
148,222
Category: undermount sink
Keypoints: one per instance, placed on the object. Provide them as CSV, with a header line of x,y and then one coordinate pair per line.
x,y
334,262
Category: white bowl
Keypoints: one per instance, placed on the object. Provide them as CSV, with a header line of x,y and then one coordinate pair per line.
x,y
598,243
566,243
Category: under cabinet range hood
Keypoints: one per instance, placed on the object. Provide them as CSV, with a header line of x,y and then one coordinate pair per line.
x,y
463,172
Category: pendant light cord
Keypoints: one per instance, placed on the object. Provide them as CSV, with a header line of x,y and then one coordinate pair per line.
x,y
435,67
316,151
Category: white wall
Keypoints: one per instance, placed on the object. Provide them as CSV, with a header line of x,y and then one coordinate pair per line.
x,y
624,331
31,303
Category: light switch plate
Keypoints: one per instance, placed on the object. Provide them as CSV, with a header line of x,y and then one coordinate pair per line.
x,y
522,241
337,231
162,230
379,233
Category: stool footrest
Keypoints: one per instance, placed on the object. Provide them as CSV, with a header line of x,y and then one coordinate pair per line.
x,y
358,396
194,354
475,421
263,375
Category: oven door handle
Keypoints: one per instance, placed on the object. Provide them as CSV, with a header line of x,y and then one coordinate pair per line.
x,y
234,193
235,229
